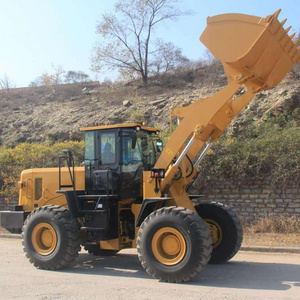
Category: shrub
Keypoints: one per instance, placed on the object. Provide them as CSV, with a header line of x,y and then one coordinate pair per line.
x,y
25,156
270,153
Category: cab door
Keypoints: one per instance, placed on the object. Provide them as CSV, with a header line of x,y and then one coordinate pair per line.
x,y
101,160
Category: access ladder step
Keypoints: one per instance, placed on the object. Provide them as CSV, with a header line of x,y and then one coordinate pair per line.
x,y
93,228
93,211
95,197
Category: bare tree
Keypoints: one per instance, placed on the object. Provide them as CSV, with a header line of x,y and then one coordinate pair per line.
x,y
167,58
36,82
46,79
126,35
76,77
209,59
6,83
57,75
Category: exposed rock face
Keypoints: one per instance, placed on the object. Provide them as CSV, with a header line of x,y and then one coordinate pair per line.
x,y
47,114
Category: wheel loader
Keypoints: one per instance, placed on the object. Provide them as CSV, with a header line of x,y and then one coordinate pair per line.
x,y
131,192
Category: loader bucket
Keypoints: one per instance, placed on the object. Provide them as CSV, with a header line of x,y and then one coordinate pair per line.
x,y
257,50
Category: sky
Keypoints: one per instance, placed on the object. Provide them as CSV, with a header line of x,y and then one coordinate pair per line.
x,y
38,35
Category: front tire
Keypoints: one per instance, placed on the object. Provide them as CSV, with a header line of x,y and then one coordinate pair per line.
x,y
226,230
51,237
173,244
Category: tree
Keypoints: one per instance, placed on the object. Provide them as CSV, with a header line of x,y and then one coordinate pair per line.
x,y
126,35
6,83
36,82
47,79
57,75
76,77
167,58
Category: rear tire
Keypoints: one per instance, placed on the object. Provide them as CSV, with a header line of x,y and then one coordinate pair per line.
x,y
173,244
51,238
226,230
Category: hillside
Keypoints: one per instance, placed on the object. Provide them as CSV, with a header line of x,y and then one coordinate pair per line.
x,y
263,142
56,113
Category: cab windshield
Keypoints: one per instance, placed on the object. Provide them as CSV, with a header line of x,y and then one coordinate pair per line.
x,y
138,148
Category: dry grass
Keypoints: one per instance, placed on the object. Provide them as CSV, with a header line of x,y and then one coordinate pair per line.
x,y
274,224
271,240
2,230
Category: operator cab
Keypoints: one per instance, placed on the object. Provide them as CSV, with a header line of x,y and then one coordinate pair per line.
x,y
116,156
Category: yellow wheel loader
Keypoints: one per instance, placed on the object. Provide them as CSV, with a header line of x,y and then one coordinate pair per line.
x,y
131,192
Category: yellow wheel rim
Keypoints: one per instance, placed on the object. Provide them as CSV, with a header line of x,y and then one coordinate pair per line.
x,y
168,246
215,231
44,239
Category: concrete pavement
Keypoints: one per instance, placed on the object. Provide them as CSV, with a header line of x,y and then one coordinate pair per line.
x,y
249,275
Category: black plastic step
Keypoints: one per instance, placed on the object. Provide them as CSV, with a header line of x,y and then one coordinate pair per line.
x,y
93,211
93,228
91,244
96,196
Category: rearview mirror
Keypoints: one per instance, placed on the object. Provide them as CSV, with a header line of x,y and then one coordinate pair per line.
x,y
134,139
159,146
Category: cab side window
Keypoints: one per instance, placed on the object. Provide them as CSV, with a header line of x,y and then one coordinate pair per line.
x,y
90,157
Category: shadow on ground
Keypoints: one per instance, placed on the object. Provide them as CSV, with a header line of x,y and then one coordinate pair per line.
x,y
234,274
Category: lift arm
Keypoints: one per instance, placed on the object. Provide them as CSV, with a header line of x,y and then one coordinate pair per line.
x,y
256,54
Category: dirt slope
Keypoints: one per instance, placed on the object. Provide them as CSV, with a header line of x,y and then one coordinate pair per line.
x,y
56,113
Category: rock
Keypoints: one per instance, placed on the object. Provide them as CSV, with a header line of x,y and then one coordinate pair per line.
x,y
74,98
283,92
114,119
127,103
187,103
157,102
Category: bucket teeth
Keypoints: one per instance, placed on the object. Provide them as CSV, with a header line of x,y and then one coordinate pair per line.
x,y
283,22
292,35
288,29
276,14
296,41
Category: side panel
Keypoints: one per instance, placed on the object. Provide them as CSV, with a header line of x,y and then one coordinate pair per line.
x,y
38,187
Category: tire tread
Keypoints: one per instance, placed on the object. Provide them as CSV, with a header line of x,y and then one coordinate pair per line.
x,y
192,220
236,228
61,215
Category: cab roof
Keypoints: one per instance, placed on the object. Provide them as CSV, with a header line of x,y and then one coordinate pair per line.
x,y
125,125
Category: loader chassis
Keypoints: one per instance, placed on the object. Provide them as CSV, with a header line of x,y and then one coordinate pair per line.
x,y
131,193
